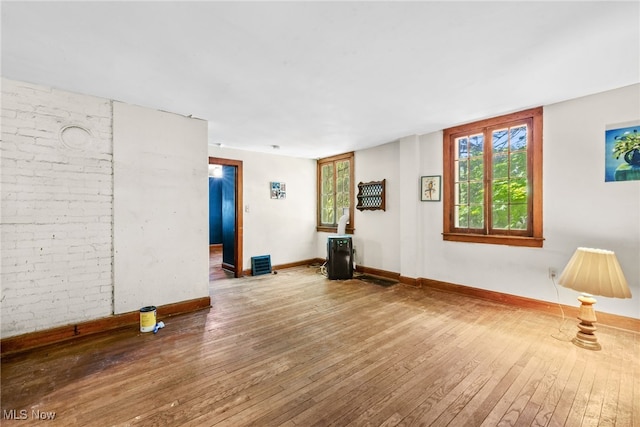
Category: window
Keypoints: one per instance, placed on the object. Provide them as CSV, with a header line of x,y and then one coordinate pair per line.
x,y
335,191
493,180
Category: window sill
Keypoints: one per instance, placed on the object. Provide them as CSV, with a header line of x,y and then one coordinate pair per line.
x,y
531,242
329,229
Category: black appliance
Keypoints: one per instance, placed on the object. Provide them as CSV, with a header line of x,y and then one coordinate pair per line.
x,y
339,258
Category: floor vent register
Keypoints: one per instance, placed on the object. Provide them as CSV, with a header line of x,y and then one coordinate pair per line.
x,y
260,265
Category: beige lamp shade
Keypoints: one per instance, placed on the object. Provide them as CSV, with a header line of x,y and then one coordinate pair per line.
x,y
595,272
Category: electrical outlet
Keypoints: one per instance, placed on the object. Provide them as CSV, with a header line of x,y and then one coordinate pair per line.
x,y
552,273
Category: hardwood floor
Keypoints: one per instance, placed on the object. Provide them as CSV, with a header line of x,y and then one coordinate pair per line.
x,y
296,349
216,272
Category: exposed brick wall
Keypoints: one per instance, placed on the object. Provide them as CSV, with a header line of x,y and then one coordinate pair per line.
x,y
57,208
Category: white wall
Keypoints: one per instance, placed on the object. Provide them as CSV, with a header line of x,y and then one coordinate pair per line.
x,y
376,232
283,228
56,208
58,196
580,209
161,225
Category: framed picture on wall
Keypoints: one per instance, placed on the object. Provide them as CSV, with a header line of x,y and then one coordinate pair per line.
x,y
278,190
430,188
622,152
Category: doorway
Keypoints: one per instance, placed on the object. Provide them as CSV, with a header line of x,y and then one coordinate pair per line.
x,y
229,249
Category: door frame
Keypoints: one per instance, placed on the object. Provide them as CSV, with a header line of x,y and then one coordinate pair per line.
x,y
237,250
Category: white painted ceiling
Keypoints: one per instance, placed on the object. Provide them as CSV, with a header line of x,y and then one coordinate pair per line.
x,y
321,78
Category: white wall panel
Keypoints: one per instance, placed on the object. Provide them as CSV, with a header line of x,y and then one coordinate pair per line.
x,y
160,208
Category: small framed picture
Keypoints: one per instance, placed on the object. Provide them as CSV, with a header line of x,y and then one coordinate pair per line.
x,y
278,190
430,188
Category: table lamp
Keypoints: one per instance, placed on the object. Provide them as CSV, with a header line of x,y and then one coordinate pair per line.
x,y
593,272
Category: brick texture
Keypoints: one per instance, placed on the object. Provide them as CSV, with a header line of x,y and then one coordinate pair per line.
x,y
57,208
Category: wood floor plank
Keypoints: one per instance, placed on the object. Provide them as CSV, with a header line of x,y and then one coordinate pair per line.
x,y
353,384
364,396
393,345
579,404
484,402
296,349
539,397
596,396
515,413
563,407
283,375
526,367
246,412
461,397
610,399
425,383
389,350
554,394
628,401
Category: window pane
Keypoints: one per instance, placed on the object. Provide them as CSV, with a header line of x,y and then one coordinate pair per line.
x,y
500,191
462,170
343,172
462,193
518,190
500,141
509,190
476,169
500,166
462,216
327,178
518,138
469,187
342,187
500,216
476,145
518,216
327,211
518,168
342,177
476,216
476,193
463,150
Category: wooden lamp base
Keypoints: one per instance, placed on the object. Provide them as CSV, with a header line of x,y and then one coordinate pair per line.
x,y
586,337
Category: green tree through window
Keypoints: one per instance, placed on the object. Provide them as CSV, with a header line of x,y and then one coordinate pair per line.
x,y
493,180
